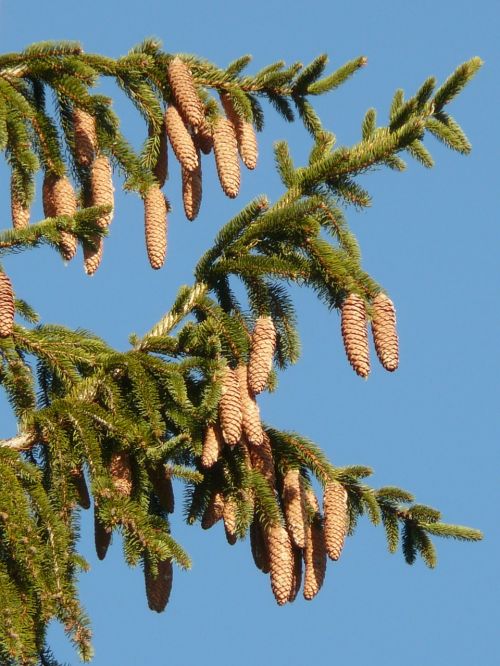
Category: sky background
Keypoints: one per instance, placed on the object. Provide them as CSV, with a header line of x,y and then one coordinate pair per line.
x,y
431,238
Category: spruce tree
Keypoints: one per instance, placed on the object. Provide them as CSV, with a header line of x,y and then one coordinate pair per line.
x,y
110,430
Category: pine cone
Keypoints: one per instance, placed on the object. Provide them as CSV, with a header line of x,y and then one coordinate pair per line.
x,y
82,491
230,414
160,169
293,501
252,425
59,199
281,562
229,517
336,521
214,511
19,212
155,225
259,548
314,552
101,185
384,331
212,445
262,460
184,90
121,472
181,140
261,354
192,190
162,486
297,574
102,536
226,156
245,133
85,136
7,307
355,334
158,587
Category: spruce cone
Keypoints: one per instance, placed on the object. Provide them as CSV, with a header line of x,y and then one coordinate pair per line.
x,y
281,562
314,552
384,331
184,90
121,472
245,133
203,139
158,587
230,414
7,307
59,199
214,511
85,136
181,140
226,157
252,425
336,521
102,536
262,460
297,574
162,486
101,185
355,334
261,353
259,548
229,517
19,212
160,169
293,501
192,191
212,445
155,225
82,491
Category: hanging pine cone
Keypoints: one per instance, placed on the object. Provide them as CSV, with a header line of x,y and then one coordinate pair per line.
x,y
293,501
252,424
7,307
20,212
281,562
226,156
245,133
384,331
181,140
184,90
203,138
82,491
214,511
59,199
230,414
85,136
261,354
262,459
160,168
102,536
355,334
259,548
229,517
336,521
212,445
192,190
158,587
297,574
101,186
314,552
121,472
162,486
155,225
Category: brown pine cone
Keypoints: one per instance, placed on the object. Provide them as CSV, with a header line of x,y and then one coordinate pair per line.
x,y
230,414
245,133
261,354
7,307
59,199
262,460
82,491
226,156
336,521
293,501
162,486
158,587
384,331
355,334
314,551
101,185
259,548
214,511
297,574
121,472
281,562
212,445
160,169
181,140
192,190
185,93
252,425
19,212
155,226
229,517
102,536
85,136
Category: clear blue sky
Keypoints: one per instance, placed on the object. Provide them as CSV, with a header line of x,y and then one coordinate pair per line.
x,y
431,238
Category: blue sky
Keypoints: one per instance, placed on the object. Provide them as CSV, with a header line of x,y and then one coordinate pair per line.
x,y
431,238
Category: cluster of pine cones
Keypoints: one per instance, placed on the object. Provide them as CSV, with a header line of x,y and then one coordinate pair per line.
x,y
355,332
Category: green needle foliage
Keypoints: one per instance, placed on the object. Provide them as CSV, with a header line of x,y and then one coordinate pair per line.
x,y
116,427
